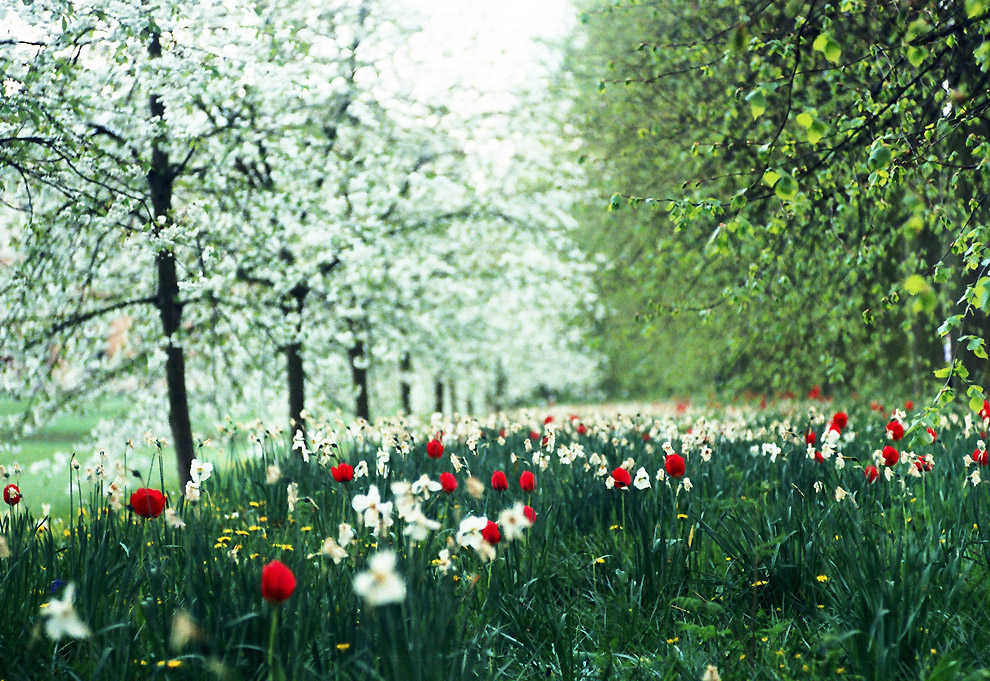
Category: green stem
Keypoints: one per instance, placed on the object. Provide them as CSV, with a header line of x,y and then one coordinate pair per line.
x,y
271,644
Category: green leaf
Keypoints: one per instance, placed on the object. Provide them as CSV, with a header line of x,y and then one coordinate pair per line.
x,y
916,284
786,188
916,55
770,178
975,8
805,119
976,403
943,372
880,157
615,203
816,132
825,44
757,102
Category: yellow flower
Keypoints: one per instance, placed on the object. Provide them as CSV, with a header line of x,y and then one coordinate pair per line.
x,y
840,670
308,528
761,582
673,640
682,516
254,528
822,578
600,561
343,646
172,664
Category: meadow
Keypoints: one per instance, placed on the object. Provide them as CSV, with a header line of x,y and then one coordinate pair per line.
x,y
679,544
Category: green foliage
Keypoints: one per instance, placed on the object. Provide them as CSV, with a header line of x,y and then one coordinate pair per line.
x,y
818,181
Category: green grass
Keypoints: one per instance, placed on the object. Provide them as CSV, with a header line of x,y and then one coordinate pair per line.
x,y
754,569
65,434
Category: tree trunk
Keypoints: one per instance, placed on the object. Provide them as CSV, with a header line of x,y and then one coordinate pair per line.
x,y
405,388
360,375
438,397
297,387
453,397
161,176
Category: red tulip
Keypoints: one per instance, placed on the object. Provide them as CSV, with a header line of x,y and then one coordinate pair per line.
x,y
277,582
890,455
908,405
582,429
342,472
499,483
547,420
434,449
922,465
839,420
491,534
527,481
501,432
533,435
980,457
815,393
674,465
810,438
529,513
621,477
448,482
932,433
646,437
148,503
985,412
12,495
871,473
819,458
895,431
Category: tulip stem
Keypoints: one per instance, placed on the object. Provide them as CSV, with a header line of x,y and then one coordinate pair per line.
x,y
271,644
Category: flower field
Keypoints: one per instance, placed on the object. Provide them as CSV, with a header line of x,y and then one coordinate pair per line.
x,y
793,543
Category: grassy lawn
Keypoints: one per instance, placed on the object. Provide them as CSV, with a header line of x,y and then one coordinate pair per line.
x,y
43,454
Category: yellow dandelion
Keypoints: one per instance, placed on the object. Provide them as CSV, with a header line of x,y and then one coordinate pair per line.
x,y
822,578
673,640
761,582
682,516
342,647
172,664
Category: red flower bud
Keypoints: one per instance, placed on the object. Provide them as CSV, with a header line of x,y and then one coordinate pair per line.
x,y
527,481
434,449
895,431
871,473
908,405
448,482
529,513
342,472
277,582
839,420
810,438
491,534
499,483
12,495
148,503
980,457
548,419
890,456
932,433
674,465
533,435
582,429
819,458
621,477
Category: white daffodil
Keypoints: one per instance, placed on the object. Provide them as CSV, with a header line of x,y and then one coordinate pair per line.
x,y
373,512
642,480
273,474
192,492
332,550
61,619
292,492
345,534
173,519
200,471
469,531
513,521
424,486
418,526
380,584
444,563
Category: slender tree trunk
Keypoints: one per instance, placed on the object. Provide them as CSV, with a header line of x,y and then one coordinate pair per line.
x,y
161,176
405,388
500,381
360,375
438,396
297,387
453,396
295,372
